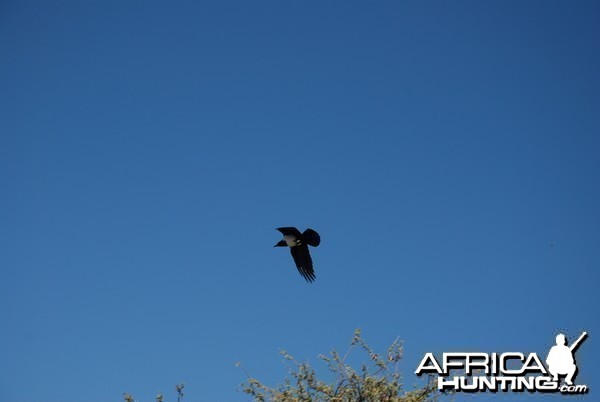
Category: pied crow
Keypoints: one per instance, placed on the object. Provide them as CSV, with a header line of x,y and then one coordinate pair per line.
x,y
298,244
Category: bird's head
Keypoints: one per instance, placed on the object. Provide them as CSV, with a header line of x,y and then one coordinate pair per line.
x,y
281,243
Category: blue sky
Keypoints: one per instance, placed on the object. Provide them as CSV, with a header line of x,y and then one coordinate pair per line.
x,y
447,152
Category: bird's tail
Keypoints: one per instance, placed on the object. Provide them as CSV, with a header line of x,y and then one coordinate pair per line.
x,y
311,237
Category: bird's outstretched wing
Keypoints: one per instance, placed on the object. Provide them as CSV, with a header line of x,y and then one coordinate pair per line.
x,y
303,262
311,237
286,231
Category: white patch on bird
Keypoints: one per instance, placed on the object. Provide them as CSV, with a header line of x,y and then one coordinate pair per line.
x,y
290,240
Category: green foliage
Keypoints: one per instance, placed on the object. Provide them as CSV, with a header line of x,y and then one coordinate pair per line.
x,y
159,398
377,381
179,389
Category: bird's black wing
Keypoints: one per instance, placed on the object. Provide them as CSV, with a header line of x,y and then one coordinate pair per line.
x,y
303,262
290,231
311,237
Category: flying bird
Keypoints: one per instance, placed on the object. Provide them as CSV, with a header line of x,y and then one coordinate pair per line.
x,y
298,244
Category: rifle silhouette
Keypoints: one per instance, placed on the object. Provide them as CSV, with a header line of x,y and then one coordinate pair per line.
x,y
578,341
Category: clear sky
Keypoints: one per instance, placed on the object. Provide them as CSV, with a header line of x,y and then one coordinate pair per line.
x,y
447,152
